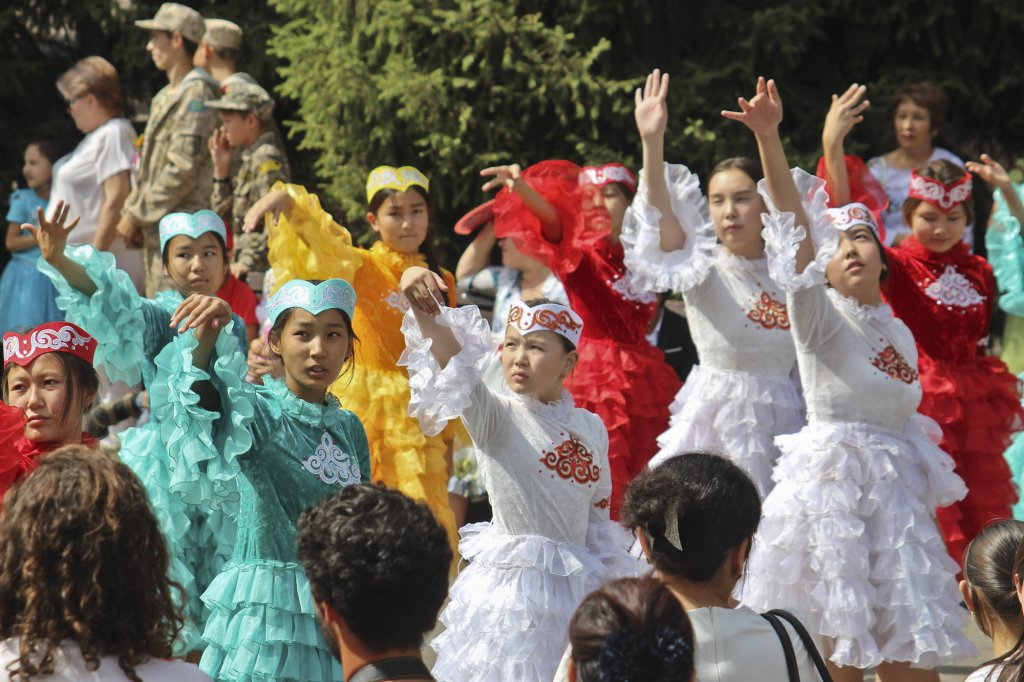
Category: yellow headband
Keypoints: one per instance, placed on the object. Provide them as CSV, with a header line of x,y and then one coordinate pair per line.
x,y
399,179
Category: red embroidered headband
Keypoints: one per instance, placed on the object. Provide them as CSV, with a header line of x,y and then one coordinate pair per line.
x,y
940,195
610,172
549,317
51,337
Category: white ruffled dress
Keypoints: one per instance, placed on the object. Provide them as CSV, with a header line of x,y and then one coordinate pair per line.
x,y
848,537
741,395
551,541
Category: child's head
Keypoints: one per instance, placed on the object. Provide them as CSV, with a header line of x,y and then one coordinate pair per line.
x,y
938,207
989,587
312,333
539,350
616,186
399,207
736,206
48,375
919,112
859,265
194,251
40,155
245,109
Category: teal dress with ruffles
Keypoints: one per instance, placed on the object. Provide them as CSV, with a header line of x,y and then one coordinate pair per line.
x,y
131,330
283,454
1006,254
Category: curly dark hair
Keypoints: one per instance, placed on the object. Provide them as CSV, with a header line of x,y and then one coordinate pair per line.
x,y
379,560
82,559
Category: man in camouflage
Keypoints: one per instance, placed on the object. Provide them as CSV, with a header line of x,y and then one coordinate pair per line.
x,y
174,172
219,48
245,111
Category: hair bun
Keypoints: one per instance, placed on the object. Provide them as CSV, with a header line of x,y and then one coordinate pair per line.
x,y
630,656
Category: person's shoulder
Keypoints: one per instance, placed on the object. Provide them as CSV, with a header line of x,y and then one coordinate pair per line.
x,y
116,129
20,195
159,670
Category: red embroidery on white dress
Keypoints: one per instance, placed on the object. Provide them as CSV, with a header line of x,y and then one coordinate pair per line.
x,y
894,365
952,288
604,503
572,461
769,313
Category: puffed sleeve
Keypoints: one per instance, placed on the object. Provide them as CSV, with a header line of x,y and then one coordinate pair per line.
x,y
652,268
1006,254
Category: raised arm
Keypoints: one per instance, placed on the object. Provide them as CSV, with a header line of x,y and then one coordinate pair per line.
x,y
846,112
274,204
651,115
996,177
763,114
511,178
424,290
478,254
52,237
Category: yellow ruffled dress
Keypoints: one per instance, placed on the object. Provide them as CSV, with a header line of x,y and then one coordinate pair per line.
x,y
310,245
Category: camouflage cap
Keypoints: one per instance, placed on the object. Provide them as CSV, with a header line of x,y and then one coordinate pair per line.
x,y
242,96
173,17
222,34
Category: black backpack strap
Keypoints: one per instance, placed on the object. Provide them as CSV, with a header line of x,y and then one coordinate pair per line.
x,y
787,645
808,641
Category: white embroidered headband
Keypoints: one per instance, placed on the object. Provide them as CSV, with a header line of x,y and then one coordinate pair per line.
x,y
608,173
331,294
549,317
849,216
192,225
940,195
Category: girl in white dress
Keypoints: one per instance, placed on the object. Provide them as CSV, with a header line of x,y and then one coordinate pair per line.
x,y
848,536
545,463
741,395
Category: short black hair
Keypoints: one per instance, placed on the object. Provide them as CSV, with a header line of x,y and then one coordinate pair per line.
x,y
380,560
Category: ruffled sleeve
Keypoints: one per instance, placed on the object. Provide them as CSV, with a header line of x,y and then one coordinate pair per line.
x,y
583,227
1006,254
783,236
113,315
439,395
308,244
203,445
652,268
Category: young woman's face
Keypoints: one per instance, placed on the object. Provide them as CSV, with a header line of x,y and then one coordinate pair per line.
x,y
535,364
313,349
937,231
913,124
736,208
616,202
855,270
37,169
41,391
196,266
402,221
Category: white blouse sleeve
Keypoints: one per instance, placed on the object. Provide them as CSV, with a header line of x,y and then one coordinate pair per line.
x,y
653,269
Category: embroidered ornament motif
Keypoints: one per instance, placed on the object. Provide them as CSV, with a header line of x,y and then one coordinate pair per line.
x,y
546,317
625,288
851,215
331,465
603,503
331,294
940,195
894,365
52,337
398,179
572,461
952,288
397,301
192,225
769,313
608,173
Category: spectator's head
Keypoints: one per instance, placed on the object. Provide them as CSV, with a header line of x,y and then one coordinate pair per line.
x,y
83,560
93,93
48,375
736,206
175,33
195,251
40,155
938,207
631,629
219,47
377,564
990,583
695,516
919,113
245,112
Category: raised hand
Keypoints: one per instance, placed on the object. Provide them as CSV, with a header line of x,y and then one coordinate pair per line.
x,y
52,234
275,203
501,176
424,289
846,111
220,152
763,113
992,172
651,111
203,313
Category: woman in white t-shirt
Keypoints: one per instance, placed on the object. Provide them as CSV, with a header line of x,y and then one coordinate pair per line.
x,y
83,563
95,178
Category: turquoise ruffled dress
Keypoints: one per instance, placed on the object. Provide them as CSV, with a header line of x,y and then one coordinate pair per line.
x,y
131,330
1006,254
284,454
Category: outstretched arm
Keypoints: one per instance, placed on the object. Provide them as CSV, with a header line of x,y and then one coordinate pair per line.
x,y
651,115
274,204
511,178
846,112
763,114
424,289
993,173
52,237
478,254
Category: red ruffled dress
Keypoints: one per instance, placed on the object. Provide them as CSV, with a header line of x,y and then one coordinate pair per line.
x,y
620,376
946,299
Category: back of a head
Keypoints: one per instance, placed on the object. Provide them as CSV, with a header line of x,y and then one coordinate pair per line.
x,y
93,76
632,630
380,560
692,510
82,558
